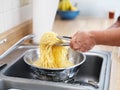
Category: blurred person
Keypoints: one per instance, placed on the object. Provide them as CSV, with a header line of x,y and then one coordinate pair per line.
x,y
85,41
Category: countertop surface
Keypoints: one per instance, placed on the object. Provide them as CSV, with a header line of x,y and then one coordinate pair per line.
x,y
69,27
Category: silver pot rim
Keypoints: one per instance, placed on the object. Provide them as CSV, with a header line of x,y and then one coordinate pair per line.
x,y
54,69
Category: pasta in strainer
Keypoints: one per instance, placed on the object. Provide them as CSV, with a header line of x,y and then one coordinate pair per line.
x,y
52,56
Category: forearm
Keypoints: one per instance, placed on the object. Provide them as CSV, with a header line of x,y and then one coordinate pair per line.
x,y
107,37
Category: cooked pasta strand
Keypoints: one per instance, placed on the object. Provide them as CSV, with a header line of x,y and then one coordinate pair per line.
x,y
52,56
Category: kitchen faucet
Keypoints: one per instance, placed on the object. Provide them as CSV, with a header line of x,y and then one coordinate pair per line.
x,y
30,36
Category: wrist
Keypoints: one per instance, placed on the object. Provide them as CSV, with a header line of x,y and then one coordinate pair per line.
x,y
96,36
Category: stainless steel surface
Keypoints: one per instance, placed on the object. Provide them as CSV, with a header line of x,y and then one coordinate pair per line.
x,y
55,74
14,89
87,83
63,44
16,45
2,65
64,37
66,42
96,69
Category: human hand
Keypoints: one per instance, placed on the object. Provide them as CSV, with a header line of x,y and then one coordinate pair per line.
x,y
82,41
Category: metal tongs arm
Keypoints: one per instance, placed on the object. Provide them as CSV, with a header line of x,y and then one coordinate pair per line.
x,y
64,37
66,42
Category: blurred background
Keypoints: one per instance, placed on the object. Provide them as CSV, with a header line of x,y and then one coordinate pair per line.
x,y
14,12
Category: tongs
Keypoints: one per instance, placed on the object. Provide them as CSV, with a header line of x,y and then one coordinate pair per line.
x,y
66,42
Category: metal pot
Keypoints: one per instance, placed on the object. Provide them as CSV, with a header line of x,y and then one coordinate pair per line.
x,y
56,74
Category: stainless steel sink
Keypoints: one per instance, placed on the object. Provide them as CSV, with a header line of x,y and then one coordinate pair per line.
x,y
94,74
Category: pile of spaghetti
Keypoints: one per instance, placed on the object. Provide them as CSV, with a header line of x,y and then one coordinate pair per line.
x,y
51,55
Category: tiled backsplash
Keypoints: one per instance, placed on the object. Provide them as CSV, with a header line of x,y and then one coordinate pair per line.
x,y
12,13
1,23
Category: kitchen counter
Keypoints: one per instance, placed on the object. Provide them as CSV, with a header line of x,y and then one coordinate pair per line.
x,y
69,27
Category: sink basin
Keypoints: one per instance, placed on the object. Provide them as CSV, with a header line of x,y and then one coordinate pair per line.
x,y
96,70
89,70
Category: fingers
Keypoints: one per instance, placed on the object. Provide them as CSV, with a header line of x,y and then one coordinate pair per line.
x,y
82,41
82,48
75,43
85,48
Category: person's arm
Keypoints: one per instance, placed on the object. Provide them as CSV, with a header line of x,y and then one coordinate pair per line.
x,y
85,41
107,37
